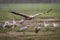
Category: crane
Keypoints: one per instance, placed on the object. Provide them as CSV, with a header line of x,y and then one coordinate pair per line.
x,y
37,29
24,29
29,17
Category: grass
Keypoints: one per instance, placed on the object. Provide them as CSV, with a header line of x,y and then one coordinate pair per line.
x,y
42,35
28,9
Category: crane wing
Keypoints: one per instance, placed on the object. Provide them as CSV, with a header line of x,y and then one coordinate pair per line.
x,y
42,13
49,10
30,16
37,14
20,14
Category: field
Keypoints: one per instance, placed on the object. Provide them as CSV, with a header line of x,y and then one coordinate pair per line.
x,y
28,9
50,34
44,33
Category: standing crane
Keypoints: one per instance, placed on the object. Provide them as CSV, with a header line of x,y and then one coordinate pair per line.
x,y
21,21
55,25
37,29
46,24
7,24
24,29
14,23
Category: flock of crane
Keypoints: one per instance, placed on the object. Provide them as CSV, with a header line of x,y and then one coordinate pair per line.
x,y
27,17
7,24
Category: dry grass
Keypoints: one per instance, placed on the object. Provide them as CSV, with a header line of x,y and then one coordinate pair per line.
x,y
42,35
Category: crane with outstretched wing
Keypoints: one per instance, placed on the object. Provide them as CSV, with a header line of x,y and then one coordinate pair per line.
x,y
29,17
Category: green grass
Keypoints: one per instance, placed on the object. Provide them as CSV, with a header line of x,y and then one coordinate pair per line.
x,y
28,9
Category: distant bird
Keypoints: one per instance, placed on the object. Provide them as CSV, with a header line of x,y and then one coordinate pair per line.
x,y
24,29
37,29
29,17
46,24
55,25
21,21
14,23
7,24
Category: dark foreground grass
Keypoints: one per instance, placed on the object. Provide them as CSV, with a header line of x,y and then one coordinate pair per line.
x,y
44,36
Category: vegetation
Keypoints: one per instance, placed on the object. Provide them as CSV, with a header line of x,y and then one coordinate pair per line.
x,y
44,34
28,9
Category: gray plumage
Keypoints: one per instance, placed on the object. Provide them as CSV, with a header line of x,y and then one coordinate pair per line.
x,y
37,29
21,21
55,25
7,24
24,29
